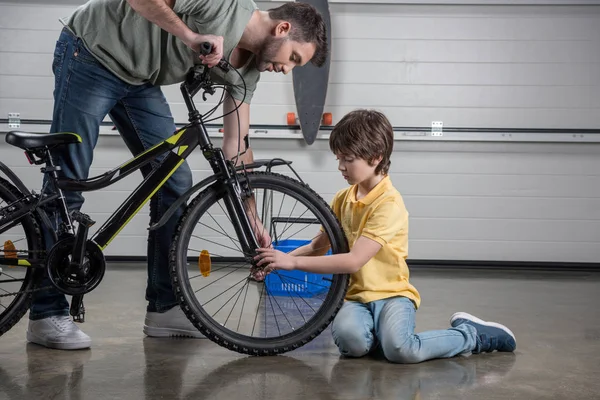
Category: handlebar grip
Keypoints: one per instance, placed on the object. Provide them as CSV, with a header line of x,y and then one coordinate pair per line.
x,y
205,48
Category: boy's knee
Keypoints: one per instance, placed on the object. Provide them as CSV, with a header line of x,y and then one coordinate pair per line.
x,y
351,339
351,344
402,350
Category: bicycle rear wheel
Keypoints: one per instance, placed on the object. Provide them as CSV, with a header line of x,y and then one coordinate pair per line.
x,y
18,239
286,310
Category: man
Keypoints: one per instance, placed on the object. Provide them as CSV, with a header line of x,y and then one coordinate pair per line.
x,y
111,59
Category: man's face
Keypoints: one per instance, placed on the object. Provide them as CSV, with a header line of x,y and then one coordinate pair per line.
x,y
281,54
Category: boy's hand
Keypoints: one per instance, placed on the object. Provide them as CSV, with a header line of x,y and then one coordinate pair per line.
x,y
272,259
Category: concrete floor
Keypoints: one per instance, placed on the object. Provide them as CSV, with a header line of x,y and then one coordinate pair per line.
x,y
554,316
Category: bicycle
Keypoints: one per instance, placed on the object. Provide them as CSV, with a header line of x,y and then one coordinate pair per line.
x,y
75,264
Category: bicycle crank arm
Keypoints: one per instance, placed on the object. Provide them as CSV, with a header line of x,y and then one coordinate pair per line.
x,y
77,310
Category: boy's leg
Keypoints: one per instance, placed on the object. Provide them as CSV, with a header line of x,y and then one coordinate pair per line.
x,y
144,119
490,335
395,327
352,329
84,93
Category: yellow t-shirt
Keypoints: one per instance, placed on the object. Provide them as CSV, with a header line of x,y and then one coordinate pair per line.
x,y
381,216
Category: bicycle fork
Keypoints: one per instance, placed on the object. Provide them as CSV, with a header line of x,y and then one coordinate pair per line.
x,y
235,193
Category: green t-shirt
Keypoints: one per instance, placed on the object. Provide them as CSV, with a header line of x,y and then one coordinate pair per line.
x,y
138,51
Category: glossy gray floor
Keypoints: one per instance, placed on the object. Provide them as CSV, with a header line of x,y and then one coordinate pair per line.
x,y
554,316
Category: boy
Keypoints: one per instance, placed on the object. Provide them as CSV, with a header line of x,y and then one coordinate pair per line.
x,y
380,305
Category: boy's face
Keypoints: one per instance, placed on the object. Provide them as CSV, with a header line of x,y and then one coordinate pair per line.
x,y
356,170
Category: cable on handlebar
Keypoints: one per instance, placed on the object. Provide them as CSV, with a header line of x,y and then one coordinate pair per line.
x,y
205,49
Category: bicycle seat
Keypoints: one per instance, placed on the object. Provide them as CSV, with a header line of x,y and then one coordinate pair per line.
x,y
29,140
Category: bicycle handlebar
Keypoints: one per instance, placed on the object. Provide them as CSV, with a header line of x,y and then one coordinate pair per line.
x,y
205,48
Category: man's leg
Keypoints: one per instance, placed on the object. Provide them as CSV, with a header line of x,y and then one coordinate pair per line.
x,y
395,327
144,119
352,329
84,93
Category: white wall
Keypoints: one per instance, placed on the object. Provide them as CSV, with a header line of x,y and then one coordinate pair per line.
x,y
468,66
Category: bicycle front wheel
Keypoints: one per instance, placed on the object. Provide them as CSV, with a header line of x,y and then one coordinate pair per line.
x,y
212,279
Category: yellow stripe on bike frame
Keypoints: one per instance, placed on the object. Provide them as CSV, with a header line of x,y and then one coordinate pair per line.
x,y
24,263
174,139
143,203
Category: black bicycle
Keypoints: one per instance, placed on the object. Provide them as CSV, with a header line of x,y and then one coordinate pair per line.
x,y
211,258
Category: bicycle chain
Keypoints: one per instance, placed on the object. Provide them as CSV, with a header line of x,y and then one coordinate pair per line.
x,y
27,291
30,290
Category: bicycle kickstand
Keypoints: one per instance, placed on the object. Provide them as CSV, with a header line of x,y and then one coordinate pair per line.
x,y
77,309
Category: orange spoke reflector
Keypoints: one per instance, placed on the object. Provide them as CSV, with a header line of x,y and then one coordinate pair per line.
x,y
10,251
204,263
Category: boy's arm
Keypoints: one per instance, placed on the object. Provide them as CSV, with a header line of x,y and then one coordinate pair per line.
x,y
363,250
317,247
382,226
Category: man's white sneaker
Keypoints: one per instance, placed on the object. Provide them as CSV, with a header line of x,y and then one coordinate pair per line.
x,y
172,323
58,332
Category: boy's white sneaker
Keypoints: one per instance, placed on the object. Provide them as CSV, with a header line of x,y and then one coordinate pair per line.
x,y
57,332
171,323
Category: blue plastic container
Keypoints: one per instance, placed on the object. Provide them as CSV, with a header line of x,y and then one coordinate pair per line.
x,y
296,283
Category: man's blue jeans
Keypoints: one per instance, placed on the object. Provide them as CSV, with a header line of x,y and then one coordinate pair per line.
x,y
388,326
85,92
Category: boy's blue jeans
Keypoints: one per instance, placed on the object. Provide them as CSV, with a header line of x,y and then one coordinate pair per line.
x,y
388,325
85,92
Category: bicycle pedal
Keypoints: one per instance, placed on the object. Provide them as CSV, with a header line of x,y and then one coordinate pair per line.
x,y
80,314
80,318
82,218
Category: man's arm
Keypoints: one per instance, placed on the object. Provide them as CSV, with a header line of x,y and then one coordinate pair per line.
x,y
160,12
232,130
236,126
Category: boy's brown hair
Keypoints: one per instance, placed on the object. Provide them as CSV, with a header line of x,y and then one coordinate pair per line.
x,y
365,134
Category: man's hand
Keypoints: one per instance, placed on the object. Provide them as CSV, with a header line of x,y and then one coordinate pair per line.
x,y
271,259
195,40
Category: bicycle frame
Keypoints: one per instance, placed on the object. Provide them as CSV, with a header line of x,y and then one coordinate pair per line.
x,y
178,147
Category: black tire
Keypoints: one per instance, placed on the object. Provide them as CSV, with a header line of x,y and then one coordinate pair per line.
x,y
13,313
233,340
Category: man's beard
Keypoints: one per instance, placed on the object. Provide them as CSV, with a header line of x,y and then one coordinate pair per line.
x,y
268,53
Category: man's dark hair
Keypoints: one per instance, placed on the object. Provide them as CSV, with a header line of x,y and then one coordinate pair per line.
x,y
366,134
307,27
